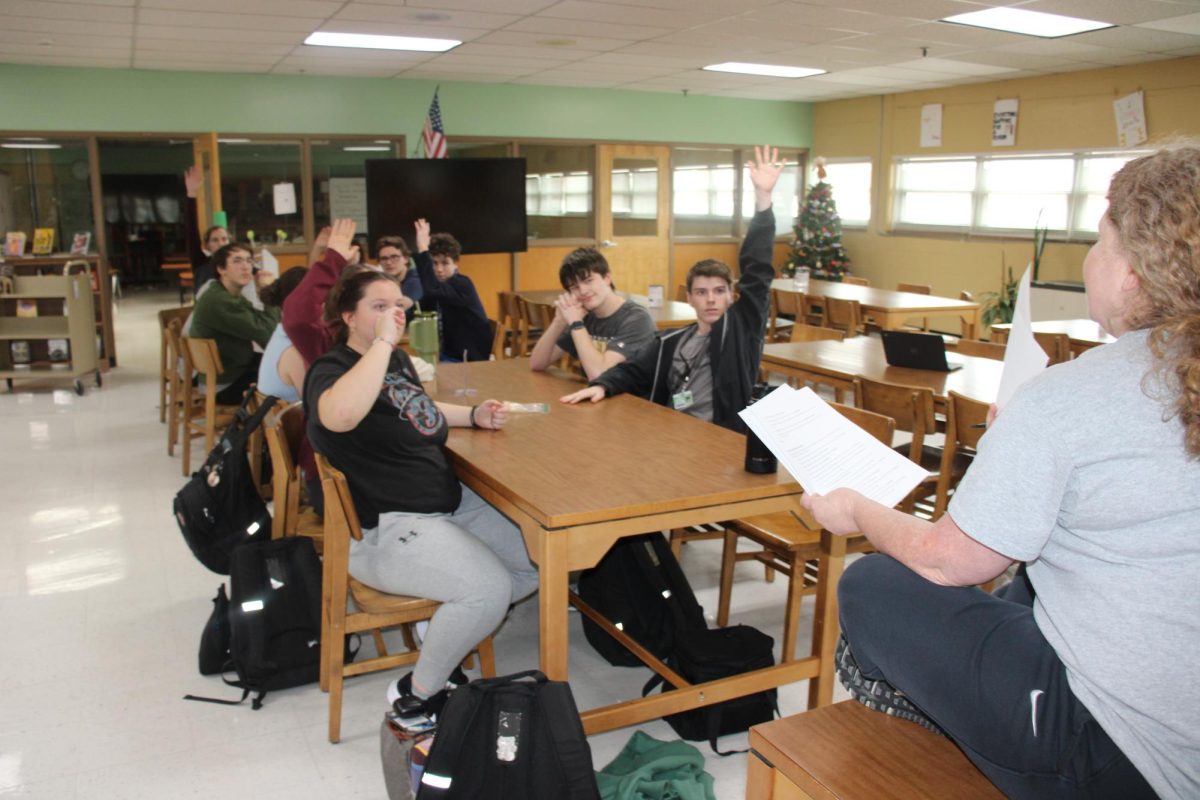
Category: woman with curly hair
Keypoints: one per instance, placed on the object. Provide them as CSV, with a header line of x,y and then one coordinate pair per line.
x,y
1071,681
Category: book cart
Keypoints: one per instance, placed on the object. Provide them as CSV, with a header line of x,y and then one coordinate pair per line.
x,y
37,317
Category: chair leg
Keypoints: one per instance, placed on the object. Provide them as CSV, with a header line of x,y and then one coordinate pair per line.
x,y
381,646
185,431
791,614
406,631
487,658
728,559
335,698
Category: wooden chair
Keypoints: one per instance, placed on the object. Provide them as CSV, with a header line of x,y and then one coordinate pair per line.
x,y
535,318
371,609
785,312
168,362
965,420
681,293
292,517
1056,345
176,353
917,288
791,543
974,347
845,315
508,332
815,333
202,415
855,281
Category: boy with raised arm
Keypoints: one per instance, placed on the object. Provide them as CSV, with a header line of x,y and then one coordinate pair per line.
x,y
464,324
588,312
708,370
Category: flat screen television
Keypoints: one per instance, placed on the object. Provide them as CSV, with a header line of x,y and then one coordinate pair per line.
x,y
480,201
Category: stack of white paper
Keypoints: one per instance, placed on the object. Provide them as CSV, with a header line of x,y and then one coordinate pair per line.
x,y
825,451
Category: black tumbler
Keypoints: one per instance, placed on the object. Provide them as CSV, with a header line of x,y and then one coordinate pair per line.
x,y
759,459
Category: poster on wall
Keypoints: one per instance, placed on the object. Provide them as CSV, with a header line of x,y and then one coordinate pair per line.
x,y
348,200
931,125
285,198
1004,123
1131,119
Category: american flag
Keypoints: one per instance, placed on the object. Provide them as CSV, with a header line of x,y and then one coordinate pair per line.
x,y
433,135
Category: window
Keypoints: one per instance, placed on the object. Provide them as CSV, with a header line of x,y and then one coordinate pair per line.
x,y
1063,192
339,177
558,190
786,197
703,186
45,183
250,171
851,184
634,197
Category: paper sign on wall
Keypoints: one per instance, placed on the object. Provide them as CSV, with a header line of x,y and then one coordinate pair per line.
x,y
1004,123
285,198
348,198
1131,119
931,125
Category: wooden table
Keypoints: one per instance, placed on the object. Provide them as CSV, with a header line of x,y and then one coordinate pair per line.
x,y
581,477
672,314
889,309
836,363
1083,333
848,751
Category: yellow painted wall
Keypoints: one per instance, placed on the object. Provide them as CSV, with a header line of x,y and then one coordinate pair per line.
x,y
1069,111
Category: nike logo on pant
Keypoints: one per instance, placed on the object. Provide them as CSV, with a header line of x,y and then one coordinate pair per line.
x,y
1033,703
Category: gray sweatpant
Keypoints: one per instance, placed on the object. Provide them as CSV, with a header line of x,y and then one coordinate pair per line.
x,y
473,561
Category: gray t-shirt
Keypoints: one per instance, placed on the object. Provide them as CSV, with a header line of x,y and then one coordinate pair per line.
x,y
1081,477
691,371
627,330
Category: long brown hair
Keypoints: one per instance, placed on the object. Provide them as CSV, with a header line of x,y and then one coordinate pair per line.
x,y
1154,204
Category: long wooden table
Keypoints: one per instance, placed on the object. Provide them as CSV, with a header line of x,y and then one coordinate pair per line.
x,y
579,478
1084,334
890,308
836,363
671,314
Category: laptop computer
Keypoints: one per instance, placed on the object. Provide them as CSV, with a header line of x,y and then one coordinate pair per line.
x,y
918,351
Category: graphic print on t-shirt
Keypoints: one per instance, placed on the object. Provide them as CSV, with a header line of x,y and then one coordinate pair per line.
x,y
410,400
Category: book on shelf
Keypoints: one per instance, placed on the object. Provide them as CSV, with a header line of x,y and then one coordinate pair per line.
x,y
20,352
27,308
43,241
14,243
80,243
58,349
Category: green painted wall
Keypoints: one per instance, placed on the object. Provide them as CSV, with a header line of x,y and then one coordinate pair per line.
x,y
106,100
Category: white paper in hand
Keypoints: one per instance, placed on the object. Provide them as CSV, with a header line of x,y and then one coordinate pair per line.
x,y
1023,356
269,262
825,451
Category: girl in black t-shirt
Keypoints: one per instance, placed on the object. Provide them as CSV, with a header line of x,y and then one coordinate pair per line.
x,y
424,534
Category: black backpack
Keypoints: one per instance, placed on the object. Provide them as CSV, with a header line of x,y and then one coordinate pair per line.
x,y
219,507
639,587
214,640
274,617
513,738
703,655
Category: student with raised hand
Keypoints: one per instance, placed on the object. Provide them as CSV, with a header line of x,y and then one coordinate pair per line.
x,y
304,308
1071,681
424,533
222,313
200,249
709,369
464,324
591,308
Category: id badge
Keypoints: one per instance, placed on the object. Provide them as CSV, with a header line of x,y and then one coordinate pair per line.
x,y
682,400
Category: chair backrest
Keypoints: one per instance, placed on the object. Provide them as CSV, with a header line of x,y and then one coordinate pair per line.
x,y
965,425
497,341
206,359
915,288
974,347
1056,345
880,426
998,335
681,293
910,406
853,281
788,303
284,434
844,314
815,333
966,296
340,516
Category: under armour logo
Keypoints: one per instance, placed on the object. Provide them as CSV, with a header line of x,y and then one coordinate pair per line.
x,y
406,539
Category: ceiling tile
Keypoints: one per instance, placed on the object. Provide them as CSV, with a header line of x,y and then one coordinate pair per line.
x,y
65,60
521,7
476,77
409,15
62,42
29,25
589,44
1141,39
1188,23
186,34
628,15
948,66
66,11
148,44
1118,12
585,28
223,21
309,9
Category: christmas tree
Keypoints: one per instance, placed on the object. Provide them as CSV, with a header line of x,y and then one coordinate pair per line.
x,y
818,242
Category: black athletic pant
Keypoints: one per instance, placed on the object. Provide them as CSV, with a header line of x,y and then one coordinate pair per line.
x,y
978,666
231,395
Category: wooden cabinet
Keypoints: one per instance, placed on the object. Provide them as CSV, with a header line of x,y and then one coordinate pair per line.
x,y
48,329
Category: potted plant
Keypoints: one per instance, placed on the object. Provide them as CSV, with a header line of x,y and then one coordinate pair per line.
x,y
998,307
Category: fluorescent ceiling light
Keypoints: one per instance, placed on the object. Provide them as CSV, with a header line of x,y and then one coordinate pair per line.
x,y
31,146
366,149
234,141
374,42
1030,23
771,70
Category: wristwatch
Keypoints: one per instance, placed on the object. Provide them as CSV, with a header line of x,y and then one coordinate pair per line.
x,y
577,325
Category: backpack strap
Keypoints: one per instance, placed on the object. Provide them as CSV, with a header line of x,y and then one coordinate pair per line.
x,y
453,723
556,706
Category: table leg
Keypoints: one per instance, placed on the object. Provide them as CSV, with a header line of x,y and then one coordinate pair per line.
x,y
825,617
552,604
